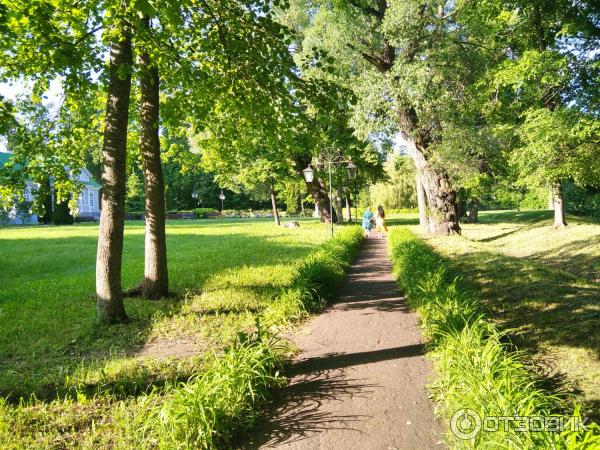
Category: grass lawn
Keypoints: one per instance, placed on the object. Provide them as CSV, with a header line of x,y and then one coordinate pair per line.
x,y
540,284
223,272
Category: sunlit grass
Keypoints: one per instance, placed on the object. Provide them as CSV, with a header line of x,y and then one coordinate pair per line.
x,y
541,285
223,273
476,365
189,372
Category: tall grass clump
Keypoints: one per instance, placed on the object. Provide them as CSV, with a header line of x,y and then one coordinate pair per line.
x,y
206,411
475,367
315,278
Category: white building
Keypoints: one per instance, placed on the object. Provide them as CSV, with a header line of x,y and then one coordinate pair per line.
x,y
88,203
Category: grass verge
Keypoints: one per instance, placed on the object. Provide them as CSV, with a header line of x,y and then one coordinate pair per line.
x,y
207,410
476,366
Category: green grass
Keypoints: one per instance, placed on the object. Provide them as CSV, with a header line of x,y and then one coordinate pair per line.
x,y
541,286
226,271
476,366
125,386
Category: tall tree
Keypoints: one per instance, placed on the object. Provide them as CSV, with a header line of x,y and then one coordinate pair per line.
x,y
110,308
542,93
156,278
400,45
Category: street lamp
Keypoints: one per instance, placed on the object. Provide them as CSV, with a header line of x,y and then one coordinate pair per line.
x,y
308,174
222,197
330,156
195,196
352,169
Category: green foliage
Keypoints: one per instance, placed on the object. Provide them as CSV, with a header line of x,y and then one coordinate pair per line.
x,y
4,217
397,191
135,200
121,399
318,275
558,145
475,367
23,211
581,201
61,213
205,411
203,213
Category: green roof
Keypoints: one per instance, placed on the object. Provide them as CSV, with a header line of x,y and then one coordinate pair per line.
x,y
92,184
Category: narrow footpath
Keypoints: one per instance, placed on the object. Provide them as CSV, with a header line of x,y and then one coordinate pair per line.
x,y
359,381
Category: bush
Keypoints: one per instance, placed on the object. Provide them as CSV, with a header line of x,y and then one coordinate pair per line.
x,y
135,215
203,213
4,217
205,411
23,212
474,364
62,214
250,213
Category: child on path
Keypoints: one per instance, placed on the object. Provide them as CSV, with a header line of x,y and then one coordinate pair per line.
x,y
367,222
380,222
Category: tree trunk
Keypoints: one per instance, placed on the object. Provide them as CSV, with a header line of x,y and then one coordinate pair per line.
x,y
45,193
338,204
461,203
441,198
316,189
474,210
156,276
559,207
348,208
422,203
109,293
302,205
274,205
321,199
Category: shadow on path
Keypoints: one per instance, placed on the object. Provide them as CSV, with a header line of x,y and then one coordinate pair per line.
x,y
359,382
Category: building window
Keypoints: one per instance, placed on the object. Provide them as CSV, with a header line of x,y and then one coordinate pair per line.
x,y
27,194
92,199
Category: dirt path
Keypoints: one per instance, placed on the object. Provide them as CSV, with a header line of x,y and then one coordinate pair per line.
x,y
359,380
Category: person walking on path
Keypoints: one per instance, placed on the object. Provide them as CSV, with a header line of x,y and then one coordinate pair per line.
x,y
380,222
367,222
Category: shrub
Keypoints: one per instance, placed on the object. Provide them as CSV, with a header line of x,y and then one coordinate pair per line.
x,y
402,211
202,213
4,217
475,367
62,214
23,212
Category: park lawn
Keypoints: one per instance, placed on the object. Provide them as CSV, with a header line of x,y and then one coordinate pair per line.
x,y
223,274
542,285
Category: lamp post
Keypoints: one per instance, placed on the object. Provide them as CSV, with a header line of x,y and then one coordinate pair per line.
x,y
195,196
222,197
329,157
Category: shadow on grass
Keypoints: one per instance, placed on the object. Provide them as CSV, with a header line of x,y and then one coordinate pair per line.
x,y
574,258
540,307
47,329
